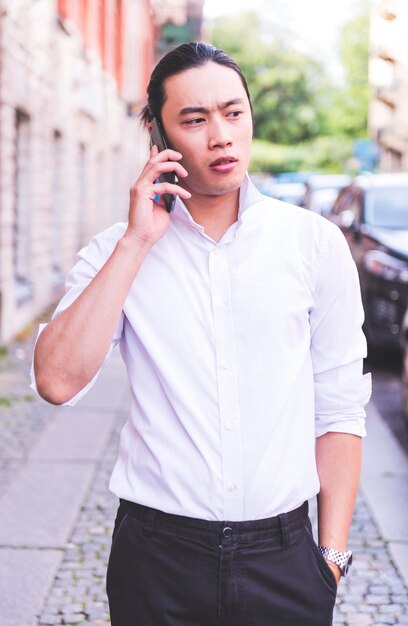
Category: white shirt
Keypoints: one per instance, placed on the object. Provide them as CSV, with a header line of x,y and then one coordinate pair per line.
x,y
239,354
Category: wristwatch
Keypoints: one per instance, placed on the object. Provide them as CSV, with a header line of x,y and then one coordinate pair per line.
x,y
342,559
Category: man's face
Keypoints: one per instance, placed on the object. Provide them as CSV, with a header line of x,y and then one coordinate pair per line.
x,y
207,118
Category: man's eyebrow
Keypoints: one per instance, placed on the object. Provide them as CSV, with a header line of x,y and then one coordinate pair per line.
x,y
223,105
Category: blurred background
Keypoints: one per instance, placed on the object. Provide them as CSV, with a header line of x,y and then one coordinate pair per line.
x,y
329,84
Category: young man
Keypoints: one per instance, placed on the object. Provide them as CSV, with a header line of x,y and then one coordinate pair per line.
x,y
239,320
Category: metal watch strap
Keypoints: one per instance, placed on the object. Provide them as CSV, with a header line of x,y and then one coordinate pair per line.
x,y
342,559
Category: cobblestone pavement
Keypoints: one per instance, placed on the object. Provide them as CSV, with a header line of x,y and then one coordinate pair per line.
x,y
374,593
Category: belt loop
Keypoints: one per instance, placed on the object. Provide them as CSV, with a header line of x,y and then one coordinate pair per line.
x,y
284,529
150,519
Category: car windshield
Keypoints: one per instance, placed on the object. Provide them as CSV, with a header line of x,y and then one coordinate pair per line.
x,y
387,207
322,200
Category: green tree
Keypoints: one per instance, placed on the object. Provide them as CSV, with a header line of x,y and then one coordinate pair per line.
x,y
303,120
347,106
282,81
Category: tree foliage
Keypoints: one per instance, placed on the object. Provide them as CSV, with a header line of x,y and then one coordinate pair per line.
x,y
347,111
282,81
323,154
294,100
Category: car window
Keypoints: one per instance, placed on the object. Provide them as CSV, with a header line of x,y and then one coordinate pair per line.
x,y
322,200
387,207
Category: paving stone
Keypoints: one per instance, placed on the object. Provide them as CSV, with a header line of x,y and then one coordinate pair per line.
x,y
74,435
75,618
50,619
363,608
28,519
400,599
390,608
380,599
354,619
29,575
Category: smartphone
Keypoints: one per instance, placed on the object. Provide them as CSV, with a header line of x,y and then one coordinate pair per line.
x,y
158,139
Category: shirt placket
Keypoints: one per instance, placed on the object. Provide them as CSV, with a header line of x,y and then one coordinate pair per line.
x,y
228,399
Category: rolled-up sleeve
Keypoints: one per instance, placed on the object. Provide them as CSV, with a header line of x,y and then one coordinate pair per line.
x,y
338,344
89,261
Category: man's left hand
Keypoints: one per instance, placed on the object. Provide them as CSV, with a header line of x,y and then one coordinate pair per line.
x,y
336,570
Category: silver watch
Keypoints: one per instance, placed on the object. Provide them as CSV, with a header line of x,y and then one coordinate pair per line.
x,y
342,559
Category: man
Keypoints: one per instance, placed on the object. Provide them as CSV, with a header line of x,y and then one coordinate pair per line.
x,y
239,320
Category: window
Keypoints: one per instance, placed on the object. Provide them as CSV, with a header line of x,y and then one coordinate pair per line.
x,y
83,194
22,209
57,210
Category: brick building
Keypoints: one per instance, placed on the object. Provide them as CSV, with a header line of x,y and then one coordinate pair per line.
x,y
72,73
388,116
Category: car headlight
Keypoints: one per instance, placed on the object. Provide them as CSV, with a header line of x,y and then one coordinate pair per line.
x,y
386,266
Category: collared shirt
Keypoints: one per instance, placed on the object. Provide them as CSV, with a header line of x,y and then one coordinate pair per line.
x,y
239,354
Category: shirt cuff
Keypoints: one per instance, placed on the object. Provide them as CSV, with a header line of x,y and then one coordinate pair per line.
x,y
341,423
340,407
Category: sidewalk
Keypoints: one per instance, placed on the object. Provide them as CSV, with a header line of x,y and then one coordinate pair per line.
x,y
56,513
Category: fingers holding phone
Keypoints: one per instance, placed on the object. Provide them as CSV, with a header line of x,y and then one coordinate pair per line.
x,y
165,170
148,214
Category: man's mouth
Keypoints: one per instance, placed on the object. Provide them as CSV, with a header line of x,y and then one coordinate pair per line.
x,y
223,164
221,160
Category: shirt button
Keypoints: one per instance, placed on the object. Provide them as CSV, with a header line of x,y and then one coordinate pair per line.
x,y
225,365
232,487
216,250
229,425
220,306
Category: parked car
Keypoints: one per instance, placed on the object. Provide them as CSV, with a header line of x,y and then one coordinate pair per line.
x,y
294,177
404,342
262,180
372,212
293,193
322,191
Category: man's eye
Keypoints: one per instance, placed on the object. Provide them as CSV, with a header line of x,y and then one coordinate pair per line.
x,y
235,114
195,121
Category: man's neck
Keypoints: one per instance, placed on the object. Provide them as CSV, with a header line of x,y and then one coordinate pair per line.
x,y
215,213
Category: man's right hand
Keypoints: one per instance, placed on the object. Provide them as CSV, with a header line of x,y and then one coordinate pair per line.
x,y
72,348
148,220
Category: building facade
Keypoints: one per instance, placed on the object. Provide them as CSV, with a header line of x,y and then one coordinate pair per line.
x,y
388,115
73,73
180,21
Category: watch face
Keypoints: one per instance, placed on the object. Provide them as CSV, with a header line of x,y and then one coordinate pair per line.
x,y
348,564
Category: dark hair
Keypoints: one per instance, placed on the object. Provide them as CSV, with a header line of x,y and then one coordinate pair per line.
x,y
184,57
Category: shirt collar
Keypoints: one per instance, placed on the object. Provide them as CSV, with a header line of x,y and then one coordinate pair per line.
x,y
248,196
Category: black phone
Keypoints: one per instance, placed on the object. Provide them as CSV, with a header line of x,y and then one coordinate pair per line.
x,y
158,139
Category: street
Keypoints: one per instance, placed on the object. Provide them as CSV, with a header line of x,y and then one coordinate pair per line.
x,y
386,373
56,513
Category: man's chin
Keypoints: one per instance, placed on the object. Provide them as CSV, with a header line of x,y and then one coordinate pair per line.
x,y
222,187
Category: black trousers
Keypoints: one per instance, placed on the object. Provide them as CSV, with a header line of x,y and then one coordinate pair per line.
x,y
169,570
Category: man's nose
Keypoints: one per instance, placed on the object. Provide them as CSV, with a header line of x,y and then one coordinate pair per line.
x,y
219,136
